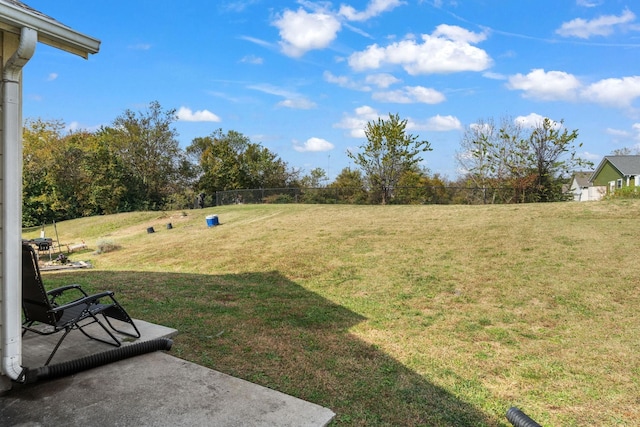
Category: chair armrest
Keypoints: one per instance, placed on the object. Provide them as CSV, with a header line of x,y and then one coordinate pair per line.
x,y
59,291
86,300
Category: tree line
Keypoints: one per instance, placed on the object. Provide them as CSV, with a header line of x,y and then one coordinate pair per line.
x,y
136,163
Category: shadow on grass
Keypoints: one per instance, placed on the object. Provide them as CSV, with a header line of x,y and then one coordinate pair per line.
x,y
266,329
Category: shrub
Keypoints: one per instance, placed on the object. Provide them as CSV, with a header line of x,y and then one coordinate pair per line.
x,y
624,193
104,246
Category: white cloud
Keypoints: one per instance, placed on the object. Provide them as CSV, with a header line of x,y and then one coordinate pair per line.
x,y
271,90
482,128
587,3
436,123
590,156
257,41
494,76
302,31
443,123
76,126
291,99
140,46
561,86
299,103
548,86
237,6
613,92
448,49
530,121
313,145
186,115
252,59
382,80
618,133
52,76
459,34
534,120
410,95
601,26
344,81
355,124
374,8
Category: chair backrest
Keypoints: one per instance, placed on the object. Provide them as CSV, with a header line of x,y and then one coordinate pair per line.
x,y
35,302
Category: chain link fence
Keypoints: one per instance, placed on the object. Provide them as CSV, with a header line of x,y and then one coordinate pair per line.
x,y
401,195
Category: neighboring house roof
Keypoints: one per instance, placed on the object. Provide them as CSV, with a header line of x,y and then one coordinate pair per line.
x,y
14,15
582,178
626,165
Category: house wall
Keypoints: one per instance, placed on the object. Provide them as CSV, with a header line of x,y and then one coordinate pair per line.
x,y
596,193
576,190
585,194
607,173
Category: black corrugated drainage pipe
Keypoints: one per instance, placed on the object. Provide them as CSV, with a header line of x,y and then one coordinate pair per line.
x,y
31,375
517,418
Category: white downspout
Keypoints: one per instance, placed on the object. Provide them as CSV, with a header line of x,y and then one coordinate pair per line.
x,y
11,260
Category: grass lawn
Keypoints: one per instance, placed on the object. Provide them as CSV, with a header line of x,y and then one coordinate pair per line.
x,y
394,315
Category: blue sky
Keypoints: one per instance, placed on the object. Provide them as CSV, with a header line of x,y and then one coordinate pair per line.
x,y
303,78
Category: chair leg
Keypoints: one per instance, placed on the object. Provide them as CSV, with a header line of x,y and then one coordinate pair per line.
x,y
115,342
28,325
66,331
115,311
130,321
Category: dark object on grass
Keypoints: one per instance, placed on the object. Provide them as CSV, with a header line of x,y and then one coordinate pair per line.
x,y
150,230
31,375
40,306
200,201
517,418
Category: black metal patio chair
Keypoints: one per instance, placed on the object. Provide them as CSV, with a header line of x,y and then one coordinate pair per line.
x,y
44,315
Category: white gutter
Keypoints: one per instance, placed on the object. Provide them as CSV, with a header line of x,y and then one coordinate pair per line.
x,y
50,31
11,259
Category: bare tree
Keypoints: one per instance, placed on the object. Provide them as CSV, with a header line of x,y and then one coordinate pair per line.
x,y
489,153
531,163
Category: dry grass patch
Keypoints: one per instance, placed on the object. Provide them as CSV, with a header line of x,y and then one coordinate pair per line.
x,y
400,315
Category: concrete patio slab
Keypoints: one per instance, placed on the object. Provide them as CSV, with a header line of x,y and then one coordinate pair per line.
x,y
154,389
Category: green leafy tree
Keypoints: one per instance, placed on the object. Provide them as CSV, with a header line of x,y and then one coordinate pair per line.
x,y
417,186
554,156
262,168
315,178
313,190
349,186
135,164
147,145
70,177
230,161
388,153
41,139
113,188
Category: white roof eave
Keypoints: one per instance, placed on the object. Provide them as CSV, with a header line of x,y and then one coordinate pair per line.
x,y
50,32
